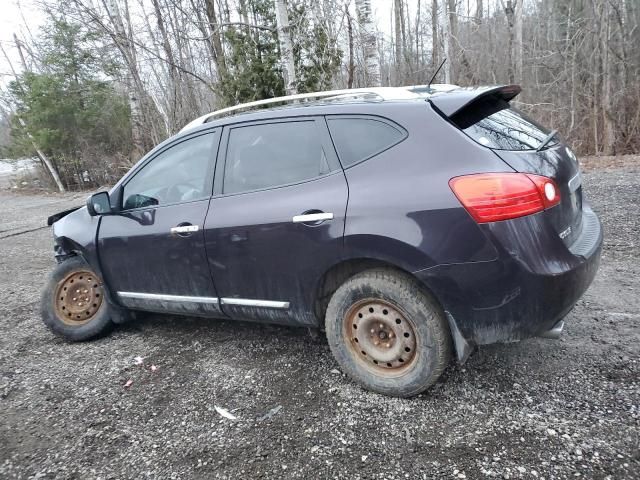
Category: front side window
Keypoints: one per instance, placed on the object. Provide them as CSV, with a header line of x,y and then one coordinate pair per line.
x,y
357,139
178,174
273,154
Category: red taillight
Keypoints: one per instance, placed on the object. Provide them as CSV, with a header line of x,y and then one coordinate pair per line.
x,y
491,197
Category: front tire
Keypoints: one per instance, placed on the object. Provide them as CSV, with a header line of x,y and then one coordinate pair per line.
x,y
74,305
387,333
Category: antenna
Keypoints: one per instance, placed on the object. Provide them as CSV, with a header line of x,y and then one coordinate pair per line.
x,y
436,73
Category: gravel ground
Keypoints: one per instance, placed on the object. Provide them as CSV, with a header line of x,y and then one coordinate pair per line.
x,y
536,409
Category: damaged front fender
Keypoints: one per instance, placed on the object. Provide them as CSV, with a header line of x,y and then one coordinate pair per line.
x,y
57,216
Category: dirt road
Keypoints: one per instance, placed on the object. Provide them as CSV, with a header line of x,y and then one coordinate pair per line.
x,y
537,409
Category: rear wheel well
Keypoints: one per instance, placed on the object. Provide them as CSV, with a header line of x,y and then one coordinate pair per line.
x,y
340,273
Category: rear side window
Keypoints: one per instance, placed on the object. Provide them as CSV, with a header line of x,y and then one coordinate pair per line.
x,y
273,154
357,139
501,127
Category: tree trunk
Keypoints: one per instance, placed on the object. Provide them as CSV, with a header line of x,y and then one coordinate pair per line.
x,y
510,14
133,82
174,76
609,133
418,36
351,65
453,40
397,14
435,42
216,43
286,50
479,11
519,50
369,43
446,42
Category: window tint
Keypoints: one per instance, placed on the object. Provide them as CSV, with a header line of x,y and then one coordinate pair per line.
x,y
359,138
179,174
272,154
504,128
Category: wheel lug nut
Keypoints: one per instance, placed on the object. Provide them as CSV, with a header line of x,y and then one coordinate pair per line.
x,y
391,335
373,330
381,326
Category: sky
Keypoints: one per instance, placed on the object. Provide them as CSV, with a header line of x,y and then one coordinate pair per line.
x,y
11,21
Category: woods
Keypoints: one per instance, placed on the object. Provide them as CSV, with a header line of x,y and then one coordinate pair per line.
x,y
105,80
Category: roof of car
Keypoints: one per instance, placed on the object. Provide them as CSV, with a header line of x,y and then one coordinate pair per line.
x,y
326,98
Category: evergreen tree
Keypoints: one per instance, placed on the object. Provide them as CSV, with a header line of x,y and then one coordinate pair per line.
x,y
73,113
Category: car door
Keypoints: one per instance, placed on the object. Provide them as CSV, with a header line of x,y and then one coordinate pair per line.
x,y
276,221
152,250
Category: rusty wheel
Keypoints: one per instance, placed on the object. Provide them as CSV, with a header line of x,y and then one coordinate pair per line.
x,y
387,332
73,303
78,298
381,336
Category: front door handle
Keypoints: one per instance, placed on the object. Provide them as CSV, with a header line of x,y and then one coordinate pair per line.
x,y
184,229
316,216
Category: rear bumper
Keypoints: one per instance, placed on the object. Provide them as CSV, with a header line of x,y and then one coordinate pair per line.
x,y
535,281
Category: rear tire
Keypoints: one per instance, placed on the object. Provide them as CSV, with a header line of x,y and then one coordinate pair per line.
x,y
74,304
387,333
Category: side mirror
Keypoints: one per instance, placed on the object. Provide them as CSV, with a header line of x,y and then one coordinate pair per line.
x,y
99,204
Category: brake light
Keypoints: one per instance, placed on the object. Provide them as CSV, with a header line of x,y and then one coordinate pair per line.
x,y
491,197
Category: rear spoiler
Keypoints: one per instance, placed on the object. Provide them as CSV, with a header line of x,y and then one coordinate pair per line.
x,y
455,102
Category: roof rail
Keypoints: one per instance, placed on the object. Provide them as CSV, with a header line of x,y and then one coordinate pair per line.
x,y
384,93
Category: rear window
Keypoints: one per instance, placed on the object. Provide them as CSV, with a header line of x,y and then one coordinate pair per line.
x,y
357,139
501,127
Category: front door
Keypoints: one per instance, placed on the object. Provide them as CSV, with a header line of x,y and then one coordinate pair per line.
x,y
152,251
276,221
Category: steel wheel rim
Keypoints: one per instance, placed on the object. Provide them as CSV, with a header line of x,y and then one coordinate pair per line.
x,y
381,337
78,297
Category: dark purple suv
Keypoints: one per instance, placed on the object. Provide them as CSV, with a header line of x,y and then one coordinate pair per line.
x,y
412,224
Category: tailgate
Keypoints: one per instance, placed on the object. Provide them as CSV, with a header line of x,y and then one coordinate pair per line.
x,y
485,115
556,162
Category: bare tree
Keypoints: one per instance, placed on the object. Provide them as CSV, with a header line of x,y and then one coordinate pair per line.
x,y
135,89
609,137
369,43
217,51
399,47
446,42
435,43
286,50
351,64
519,55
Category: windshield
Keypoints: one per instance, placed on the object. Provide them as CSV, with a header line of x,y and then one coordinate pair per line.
x,y
502,127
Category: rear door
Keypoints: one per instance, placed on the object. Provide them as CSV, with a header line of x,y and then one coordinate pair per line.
x,y
152,251
276,221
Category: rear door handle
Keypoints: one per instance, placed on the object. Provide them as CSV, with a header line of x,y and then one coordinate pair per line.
x,y
184,229
313,217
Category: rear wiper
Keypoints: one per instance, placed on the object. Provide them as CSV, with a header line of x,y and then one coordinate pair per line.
x,y
547,139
